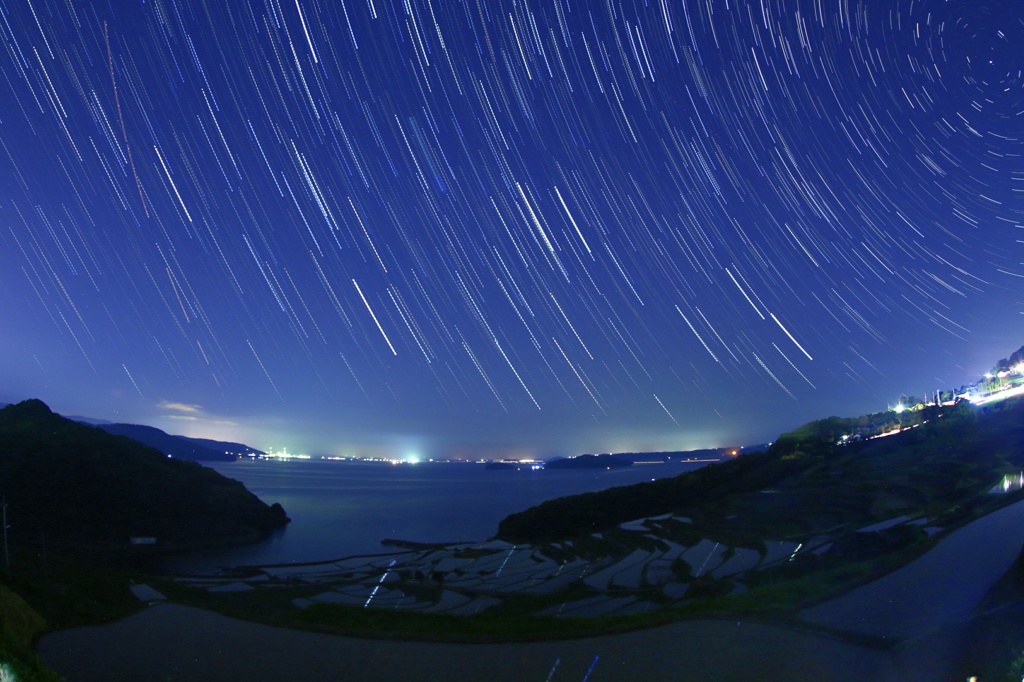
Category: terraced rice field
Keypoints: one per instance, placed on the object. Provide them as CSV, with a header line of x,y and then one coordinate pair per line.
x,y
640,570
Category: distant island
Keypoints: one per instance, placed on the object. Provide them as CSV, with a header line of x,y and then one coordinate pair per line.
x,y
589,462
615,460
702,454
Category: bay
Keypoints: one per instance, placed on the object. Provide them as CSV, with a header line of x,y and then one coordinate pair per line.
x,y
346,508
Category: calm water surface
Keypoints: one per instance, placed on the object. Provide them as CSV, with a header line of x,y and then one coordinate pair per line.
x,y
344,508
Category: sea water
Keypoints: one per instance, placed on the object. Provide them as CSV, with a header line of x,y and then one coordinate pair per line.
x,y
346,508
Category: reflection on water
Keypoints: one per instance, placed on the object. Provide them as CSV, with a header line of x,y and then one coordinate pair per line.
x,y
346,508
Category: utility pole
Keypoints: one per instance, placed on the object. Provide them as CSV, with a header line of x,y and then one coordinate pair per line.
x,y
7,554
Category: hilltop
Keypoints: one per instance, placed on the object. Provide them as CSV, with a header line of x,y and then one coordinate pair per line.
x,y
181,447
1016,358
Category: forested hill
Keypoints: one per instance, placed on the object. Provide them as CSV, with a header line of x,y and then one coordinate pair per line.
x,y
176,446
76,487
822,475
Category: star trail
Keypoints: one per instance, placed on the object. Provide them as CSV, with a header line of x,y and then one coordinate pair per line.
x,y
494,227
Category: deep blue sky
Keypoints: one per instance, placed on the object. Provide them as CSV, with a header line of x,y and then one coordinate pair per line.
x,y
494,227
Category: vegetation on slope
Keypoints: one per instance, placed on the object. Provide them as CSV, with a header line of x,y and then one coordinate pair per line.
x,y
19,626
823,474
75,495
76,489
173,446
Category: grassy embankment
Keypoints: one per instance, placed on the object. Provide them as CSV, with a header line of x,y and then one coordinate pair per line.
x,y
50,592
19,627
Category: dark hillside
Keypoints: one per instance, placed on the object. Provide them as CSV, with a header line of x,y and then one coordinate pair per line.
x,y
813,479
174,446
224,446
75,487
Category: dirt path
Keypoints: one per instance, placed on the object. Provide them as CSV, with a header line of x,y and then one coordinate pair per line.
x,y
174,642
939,589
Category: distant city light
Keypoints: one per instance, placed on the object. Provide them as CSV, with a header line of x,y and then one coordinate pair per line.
x,y
283,454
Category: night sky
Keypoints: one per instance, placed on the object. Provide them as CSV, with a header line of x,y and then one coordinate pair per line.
x,y
493,227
